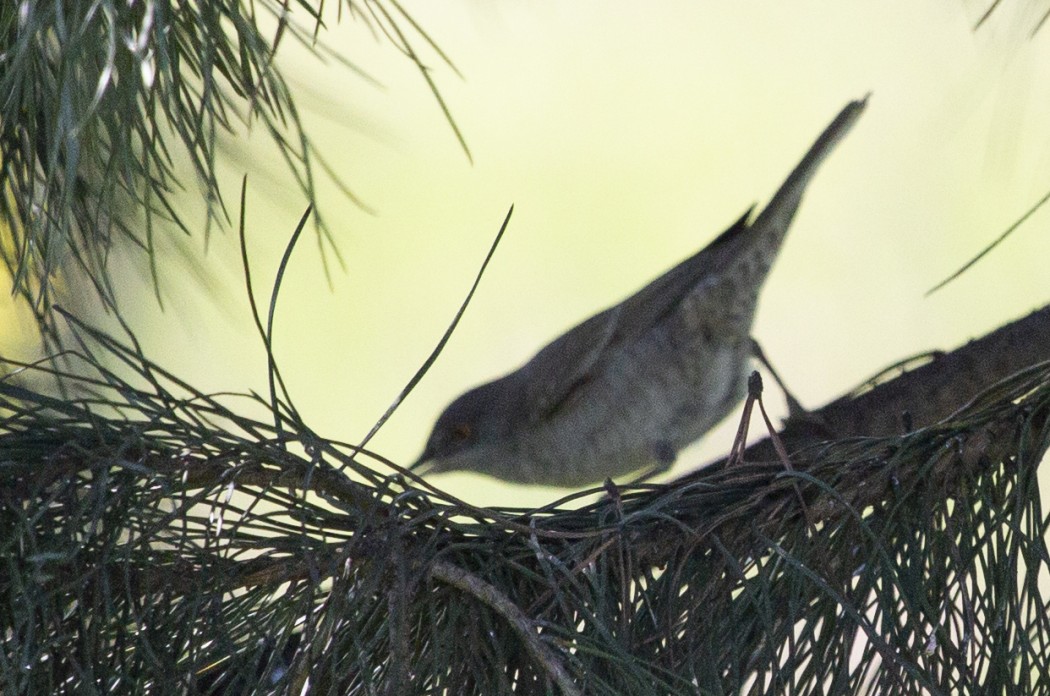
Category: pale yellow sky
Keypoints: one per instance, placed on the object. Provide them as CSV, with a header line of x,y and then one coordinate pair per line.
x,y
627,137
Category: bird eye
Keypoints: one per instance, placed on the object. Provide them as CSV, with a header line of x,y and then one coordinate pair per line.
x,y
461,432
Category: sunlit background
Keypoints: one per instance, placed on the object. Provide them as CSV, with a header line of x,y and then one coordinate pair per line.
x,y
626,136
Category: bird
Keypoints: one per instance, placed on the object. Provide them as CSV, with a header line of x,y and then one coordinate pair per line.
x,y
623,391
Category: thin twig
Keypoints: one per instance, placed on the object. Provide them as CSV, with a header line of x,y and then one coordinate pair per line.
x,y
522,626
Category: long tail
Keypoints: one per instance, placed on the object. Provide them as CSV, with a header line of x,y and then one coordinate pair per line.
x,y
781,208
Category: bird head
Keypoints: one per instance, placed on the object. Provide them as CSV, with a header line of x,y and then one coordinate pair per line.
x,y
471,427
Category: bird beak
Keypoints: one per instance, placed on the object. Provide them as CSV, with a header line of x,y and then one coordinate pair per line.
x,y
419,467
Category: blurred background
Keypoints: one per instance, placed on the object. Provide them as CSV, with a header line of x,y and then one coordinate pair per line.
x,y
626,137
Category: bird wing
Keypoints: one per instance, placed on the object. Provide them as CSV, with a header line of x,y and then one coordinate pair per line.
x,y
647,307
564,366
566,363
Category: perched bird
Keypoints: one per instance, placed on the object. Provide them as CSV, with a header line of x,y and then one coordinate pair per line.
x,y
628,388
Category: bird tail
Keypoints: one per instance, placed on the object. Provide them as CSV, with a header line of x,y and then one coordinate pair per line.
x,y
781,208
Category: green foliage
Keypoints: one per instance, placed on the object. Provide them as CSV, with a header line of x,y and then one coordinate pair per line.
x,y
154,540
104,101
